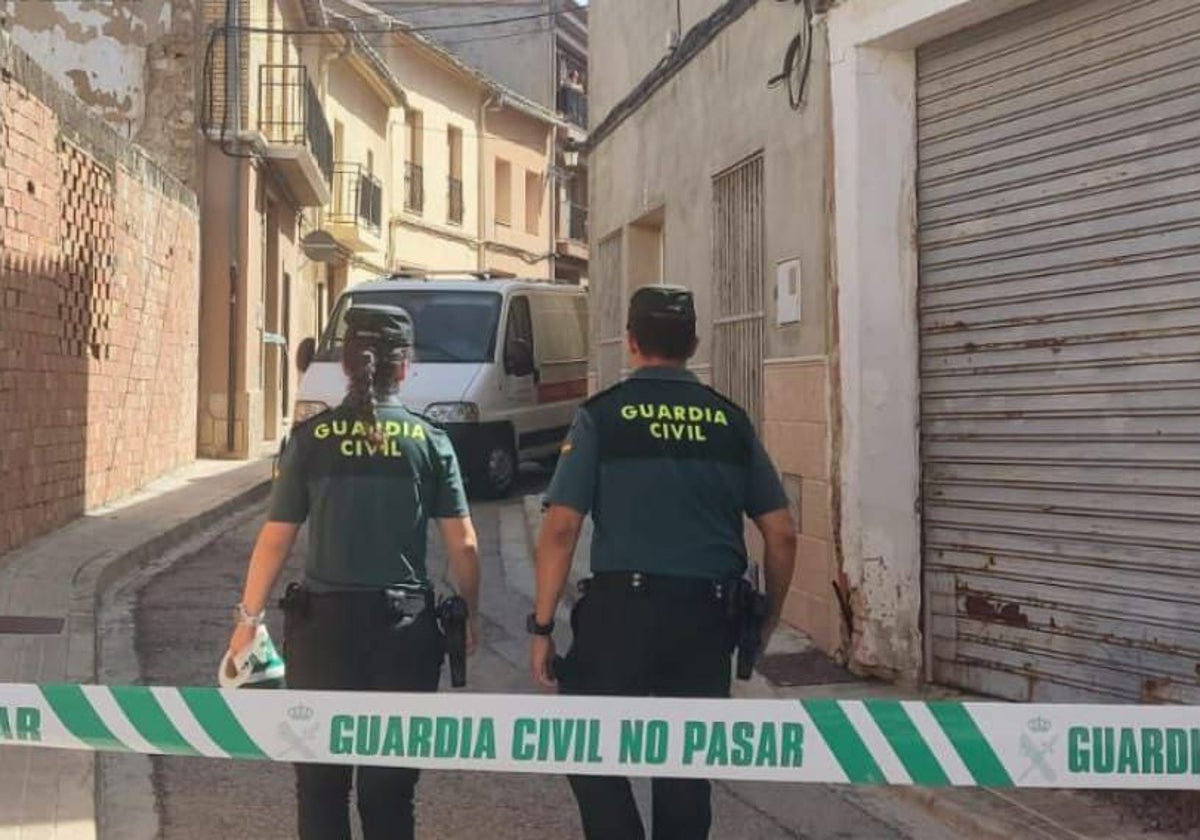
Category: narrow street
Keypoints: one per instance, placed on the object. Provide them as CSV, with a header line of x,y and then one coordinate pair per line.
x,y
181,616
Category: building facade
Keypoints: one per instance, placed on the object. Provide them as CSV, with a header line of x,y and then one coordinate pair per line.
x,y
538,50
517,192
295,170
704,176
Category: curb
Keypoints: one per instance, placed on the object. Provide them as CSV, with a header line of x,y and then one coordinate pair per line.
x,y
99,574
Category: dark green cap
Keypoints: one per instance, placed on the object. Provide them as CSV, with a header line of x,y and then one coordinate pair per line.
x,y
390,324
668,303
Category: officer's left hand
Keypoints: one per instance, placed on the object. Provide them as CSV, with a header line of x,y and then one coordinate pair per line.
x,y
241,638
541,659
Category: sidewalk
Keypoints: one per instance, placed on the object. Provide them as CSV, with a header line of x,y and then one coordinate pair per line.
x,y
48,595
979,813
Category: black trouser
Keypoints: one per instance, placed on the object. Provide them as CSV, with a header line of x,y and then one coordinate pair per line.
x,y
662,637
356,641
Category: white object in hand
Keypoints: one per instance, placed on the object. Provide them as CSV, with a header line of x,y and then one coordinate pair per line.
x,y
258,665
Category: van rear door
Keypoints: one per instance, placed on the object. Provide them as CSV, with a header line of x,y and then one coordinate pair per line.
x,y
519,363
560,344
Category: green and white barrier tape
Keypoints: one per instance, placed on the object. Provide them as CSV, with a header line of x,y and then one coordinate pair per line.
x,y
831,741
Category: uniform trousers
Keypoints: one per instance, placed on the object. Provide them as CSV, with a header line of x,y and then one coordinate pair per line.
x,y
643,636
358,641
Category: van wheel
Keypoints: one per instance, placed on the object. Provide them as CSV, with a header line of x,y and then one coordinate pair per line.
x,y
498,471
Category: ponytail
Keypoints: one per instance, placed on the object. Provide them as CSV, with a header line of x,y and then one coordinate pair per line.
x,y
371,367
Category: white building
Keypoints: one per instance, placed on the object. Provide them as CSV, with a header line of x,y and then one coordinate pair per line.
x,y
1010,203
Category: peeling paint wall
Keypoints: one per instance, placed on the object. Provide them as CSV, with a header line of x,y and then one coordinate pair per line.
x,y
132,62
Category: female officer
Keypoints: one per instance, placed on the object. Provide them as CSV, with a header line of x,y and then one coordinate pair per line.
x,y
369,475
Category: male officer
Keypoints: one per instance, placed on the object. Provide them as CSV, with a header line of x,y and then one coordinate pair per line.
x,y
667,468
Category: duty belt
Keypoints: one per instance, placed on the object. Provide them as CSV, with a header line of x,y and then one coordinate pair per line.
x,y
405,601
655,584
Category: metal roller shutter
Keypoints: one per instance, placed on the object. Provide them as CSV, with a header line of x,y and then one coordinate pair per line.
x,y
1059,218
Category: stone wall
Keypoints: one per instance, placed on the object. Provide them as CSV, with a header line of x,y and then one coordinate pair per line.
x,y
99,296
134,63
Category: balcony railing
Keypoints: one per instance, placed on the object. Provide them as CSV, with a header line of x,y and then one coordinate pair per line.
x,y
577,223
455,213
414,187
290,112
572,103
357,197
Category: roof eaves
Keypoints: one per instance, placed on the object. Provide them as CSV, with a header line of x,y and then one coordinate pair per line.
x,y
510,97
361,44
517,102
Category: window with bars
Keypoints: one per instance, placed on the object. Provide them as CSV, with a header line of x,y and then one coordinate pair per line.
x,y
738,259
607,313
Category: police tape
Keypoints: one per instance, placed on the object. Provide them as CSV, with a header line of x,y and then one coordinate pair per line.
x,y
871,741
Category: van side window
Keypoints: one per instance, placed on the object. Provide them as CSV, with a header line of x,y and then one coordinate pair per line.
x,y
518,339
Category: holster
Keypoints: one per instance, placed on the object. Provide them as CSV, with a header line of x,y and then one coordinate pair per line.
x,y
296,601
747,608
452,613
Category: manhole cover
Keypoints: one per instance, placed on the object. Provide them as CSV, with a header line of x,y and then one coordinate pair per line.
x,y
30,625
808,668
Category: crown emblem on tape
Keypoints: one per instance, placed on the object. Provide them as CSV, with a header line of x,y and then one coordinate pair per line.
x,y
300,712
1039,724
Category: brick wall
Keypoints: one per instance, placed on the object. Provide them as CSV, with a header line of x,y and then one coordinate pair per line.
x,y
99,295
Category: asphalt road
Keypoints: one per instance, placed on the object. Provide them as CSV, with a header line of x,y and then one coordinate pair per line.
x,y
180,621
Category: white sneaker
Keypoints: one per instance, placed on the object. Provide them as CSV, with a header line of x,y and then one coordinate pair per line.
x,y
258,665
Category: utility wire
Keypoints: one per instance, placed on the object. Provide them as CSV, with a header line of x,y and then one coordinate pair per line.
x,y
398,26
308,39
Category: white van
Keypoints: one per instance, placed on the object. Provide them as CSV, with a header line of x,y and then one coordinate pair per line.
x,y
500,364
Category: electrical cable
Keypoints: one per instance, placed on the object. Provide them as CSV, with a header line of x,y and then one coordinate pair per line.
x,y
399,25
697,38
313,38
799,49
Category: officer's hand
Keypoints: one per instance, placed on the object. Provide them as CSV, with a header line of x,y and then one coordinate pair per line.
x,y
472,635
243,636
541,658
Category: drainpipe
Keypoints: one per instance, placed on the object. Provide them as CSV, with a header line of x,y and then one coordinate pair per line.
x,y
552,187
482,180
233,100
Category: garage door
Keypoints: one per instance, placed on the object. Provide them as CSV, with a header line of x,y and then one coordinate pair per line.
x,y
1059,218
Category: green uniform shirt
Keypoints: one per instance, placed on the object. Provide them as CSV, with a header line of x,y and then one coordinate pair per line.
x,y
369,505
667,468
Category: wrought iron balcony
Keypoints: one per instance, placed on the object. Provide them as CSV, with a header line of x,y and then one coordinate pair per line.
x,y
572,103
577,223
293,124
356,206
414,187
572,231
455,205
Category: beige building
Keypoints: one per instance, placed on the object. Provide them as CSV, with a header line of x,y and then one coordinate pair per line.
x,y
475,161
543,58
294,175
517,200
703,176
